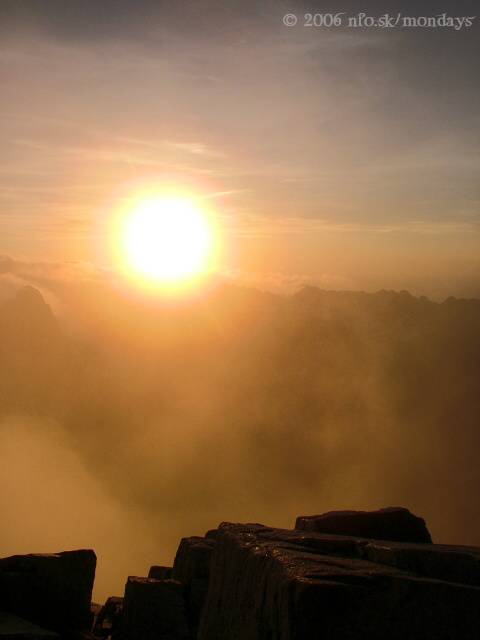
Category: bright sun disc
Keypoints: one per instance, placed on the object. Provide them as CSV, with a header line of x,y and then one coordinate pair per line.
x,y
167,240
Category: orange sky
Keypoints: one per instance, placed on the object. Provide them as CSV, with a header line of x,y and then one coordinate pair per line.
x,y
345,158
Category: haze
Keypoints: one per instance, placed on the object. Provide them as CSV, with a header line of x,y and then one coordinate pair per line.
x,y
331,358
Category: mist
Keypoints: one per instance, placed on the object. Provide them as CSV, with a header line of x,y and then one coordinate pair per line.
x,y
128,423
51,502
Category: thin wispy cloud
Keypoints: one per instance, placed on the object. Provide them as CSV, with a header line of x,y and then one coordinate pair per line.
x,y
346,133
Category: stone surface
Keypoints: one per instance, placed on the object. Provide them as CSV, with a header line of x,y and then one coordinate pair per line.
x,y
160,573
196,595
51,590
296,585
108,617
192,568
154,610
251,582
392,523
14,628
193,558
441,562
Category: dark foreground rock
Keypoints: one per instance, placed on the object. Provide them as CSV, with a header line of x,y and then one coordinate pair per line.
x,y
154,610
294,585
14,628
160,573
392,523
193,558
251,582
108,618
192,568
51,590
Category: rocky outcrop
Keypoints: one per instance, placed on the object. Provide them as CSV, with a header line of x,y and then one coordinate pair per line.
x,y
159,572
168,604
154,610
294,585
393,523
108,618
192,568
51,590
14,628
193,558
252,582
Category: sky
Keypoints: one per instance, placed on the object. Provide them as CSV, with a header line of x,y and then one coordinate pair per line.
x,y
343,157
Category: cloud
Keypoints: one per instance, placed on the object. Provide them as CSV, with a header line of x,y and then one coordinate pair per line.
x,y
195,148
52,502
263,226
345,147
223,194
53,279
287,283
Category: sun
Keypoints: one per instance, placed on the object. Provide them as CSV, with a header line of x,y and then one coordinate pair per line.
x,y
167,240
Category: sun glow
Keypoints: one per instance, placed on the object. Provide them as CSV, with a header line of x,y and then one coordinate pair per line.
x,y
167,240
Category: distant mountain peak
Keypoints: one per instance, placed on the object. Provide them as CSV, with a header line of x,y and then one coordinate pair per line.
x,y
29,295
28,306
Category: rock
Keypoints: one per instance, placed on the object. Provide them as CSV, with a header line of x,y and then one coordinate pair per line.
x,y
107,620
196,595
160,573
212,533
51,590
14,628
441,562
154,610
193,558
192,568
392,523
299,585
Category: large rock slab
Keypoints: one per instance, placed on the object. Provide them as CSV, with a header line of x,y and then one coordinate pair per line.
x,y
154,610
192,568
393,523
193,559
441,562
108,618
14,628
270,584
159,572
51,590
